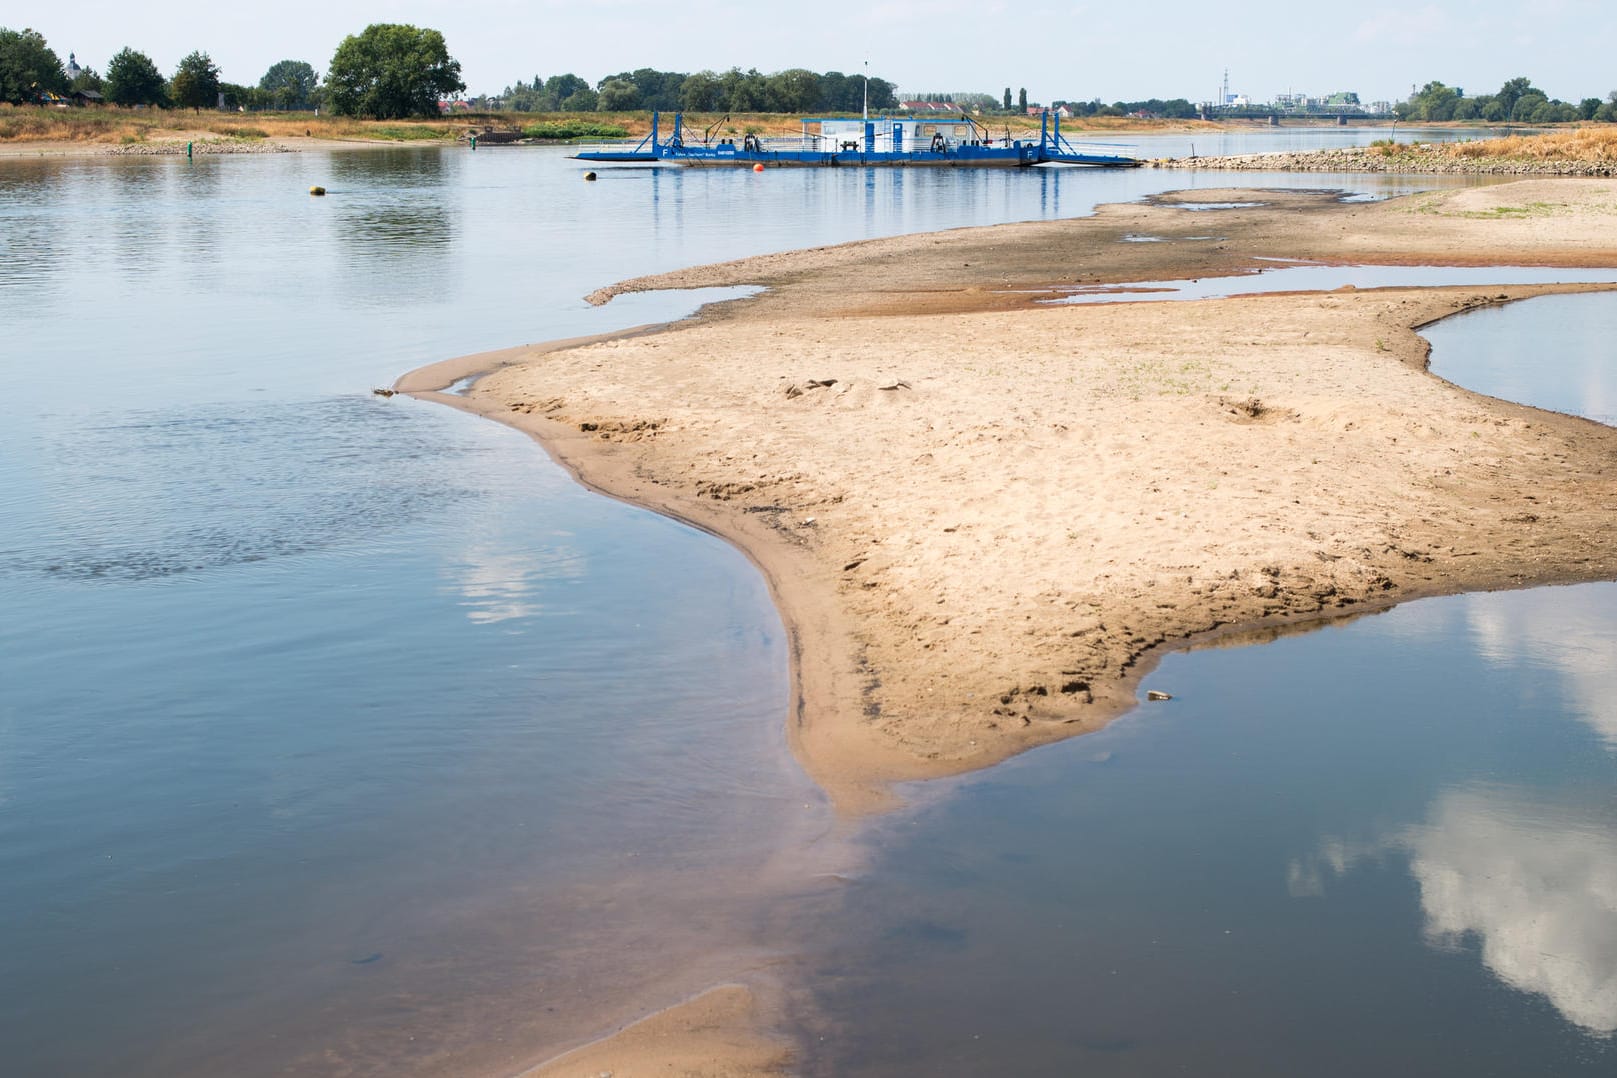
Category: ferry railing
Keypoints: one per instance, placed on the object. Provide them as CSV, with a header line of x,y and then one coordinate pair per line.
x,y
1111,149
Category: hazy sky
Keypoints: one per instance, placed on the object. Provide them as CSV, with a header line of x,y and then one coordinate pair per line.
x,y
1115,51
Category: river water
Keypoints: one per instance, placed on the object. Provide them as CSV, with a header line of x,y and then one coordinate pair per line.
x,y
343,733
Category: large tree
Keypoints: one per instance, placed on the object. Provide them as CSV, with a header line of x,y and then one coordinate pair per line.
x,y
701,92
391,71
617,95
289,84
196,82
1513,91
28,67
132,79
795,90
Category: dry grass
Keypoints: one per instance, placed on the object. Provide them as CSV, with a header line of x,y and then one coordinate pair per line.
x,y
113,125
1576,144
116,125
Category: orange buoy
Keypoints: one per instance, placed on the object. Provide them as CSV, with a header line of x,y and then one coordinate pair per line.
x,y
759,167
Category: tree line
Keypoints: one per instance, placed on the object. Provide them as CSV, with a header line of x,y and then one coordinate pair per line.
x,y
1518,101
30,70
796,90
1177,108
387,71
393,70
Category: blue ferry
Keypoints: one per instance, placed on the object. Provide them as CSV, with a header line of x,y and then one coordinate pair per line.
x,y
932,142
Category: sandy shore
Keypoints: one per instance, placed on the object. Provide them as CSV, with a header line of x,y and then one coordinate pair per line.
x,y
985,519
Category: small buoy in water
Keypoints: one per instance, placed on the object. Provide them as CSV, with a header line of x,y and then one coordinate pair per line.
x,y
759,167
317,190
589,175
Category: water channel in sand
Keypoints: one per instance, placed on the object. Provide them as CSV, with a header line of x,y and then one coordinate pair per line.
x,y
341,732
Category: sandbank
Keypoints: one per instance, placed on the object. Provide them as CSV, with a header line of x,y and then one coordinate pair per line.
x,y
985,518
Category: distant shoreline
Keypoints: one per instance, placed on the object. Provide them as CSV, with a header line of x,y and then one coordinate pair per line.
x,y
34,131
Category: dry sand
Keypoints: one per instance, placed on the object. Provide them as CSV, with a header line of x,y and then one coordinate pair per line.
x,y
984,520
996,515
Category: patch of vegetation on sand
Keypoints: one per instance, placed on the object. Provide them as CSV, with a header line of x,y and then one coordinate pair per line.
x,y
574,129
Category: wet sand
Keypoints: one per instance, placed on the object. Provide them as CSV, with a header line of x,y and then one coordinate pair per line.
x,y
985,519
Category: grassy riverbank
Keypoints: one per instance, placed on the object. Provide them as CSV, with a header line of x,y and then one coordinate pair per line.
x,y
123,127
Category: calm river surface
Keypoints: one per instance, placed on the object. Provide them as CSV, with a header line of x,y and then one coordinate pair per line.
x,y
341,733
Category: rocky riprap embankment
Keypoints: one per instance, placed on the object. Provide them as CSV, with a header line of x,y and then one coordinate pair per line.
x,y
1422,157
158,149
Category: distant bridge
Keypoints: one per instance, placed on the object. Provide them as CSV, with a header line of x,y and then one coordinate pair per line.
x,y
1275,116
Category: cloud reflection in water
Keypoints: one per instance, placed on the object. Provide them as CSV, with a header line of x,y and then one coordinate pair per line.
x,y
1570,631
500,583
1533,882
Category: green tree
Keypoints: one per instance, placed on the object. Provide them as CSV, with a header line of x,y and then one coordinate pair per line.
x,y
883,94
87,79
289,83
584,100
1513,91
744,91
1021,100
835,88
701,92
1433,102
617,95
655,89
1007,99
561,87
196,82
392,70
251,98
1527,105
1588,107
132,79
795,90
524,97
28,67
